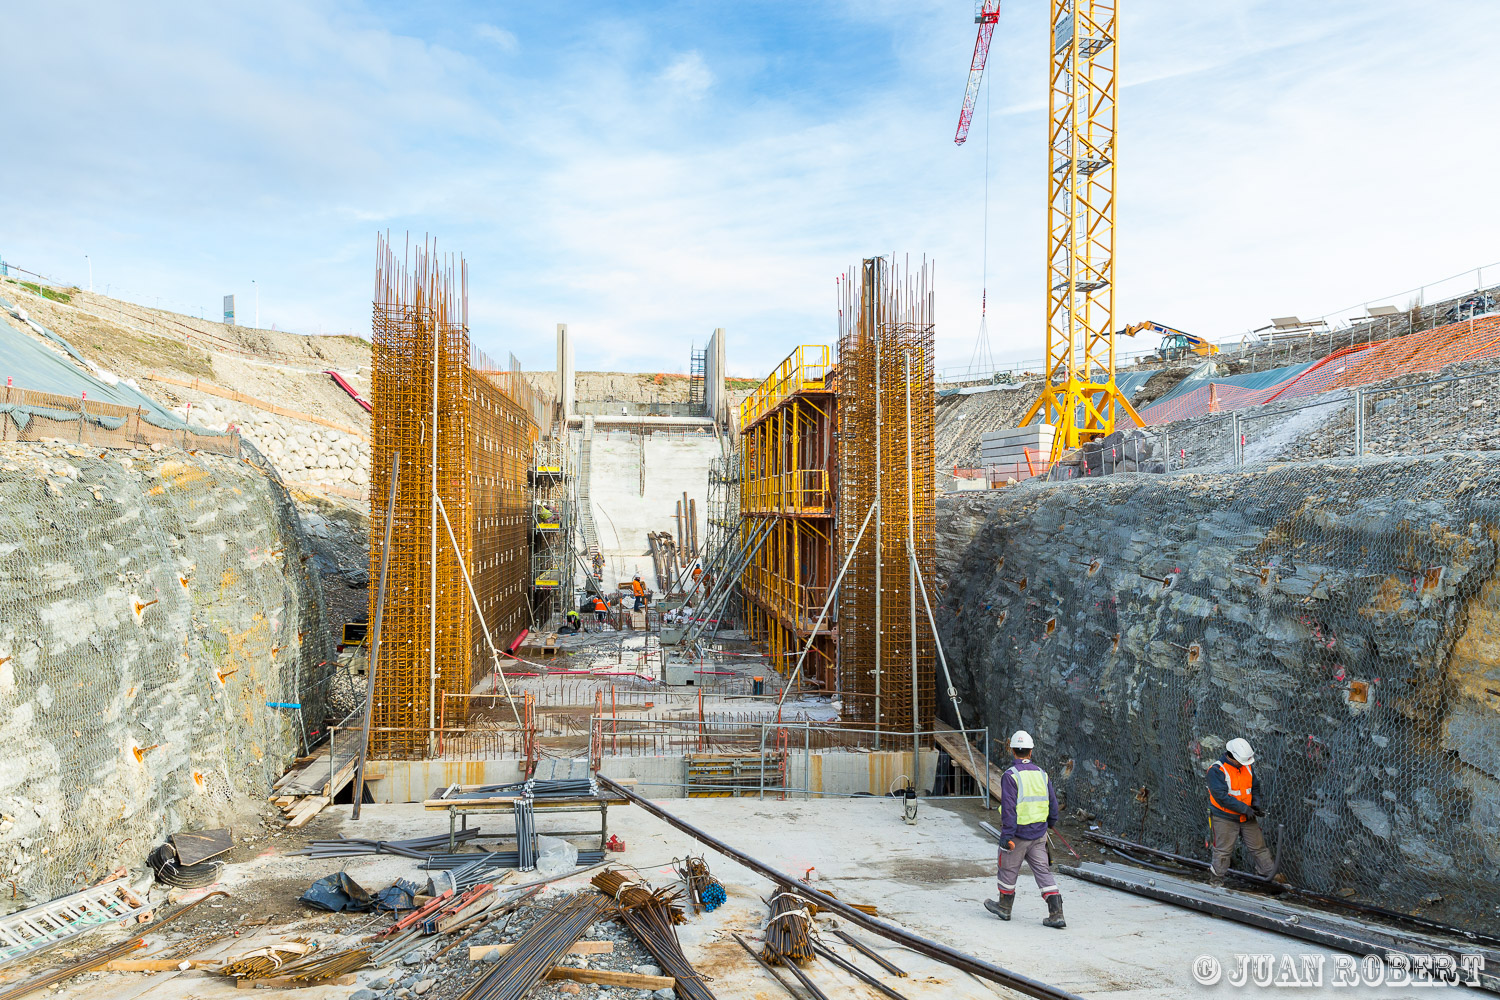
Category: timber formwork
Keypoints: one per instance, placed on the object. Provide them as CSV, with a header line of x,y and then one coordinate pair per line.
x,y
465,442
787,477
885,436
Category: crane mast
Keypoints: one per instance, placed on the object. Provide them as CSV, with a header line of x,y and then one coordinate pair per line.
x,y
1081,398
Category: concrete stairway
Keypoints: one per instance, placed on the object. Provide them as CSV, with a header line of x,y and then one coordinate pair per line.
x,y
585,504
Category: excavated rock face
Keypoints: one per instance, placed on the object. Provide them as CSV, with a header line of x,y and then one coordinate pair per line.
x,y
1344,618
160,625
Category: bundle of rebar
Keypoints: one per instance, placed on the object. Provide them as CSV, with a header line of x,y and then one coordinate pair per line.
x,y
787,930
543,946
525,836
416,847
703,889
316,968
630,894
268,961
650,915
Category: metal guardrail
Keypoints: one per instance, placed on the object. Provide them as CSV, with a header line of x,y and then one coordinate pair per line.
x,y
761,744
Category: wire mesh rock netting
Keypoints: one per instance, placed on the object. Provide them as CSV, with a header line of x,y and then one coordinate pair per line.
x,y
155,610
1344,617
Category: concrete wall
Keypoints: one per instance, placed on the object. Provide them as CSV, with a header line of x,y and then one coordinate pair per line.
x,y
150,606
828,772
623,515
1344,618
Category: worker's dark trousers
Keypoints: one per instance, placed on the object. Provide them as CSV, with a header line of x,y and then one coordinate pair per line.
x,y
1226,831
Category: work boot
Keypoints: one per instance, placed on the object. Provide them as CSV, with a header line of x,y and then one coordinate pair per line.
x,y
1054,916
1216,881
1001,908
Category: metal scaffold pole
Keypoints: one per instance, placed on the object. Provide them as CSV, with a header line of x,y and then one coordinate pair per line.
x,y
911,577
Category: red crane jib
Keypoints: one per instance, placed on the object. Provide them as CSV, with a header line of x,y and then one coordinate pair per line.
x,y
988,15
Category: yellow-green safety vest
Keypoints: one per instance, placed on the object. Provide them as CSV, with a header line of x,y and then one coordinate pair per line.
x,y
1032,803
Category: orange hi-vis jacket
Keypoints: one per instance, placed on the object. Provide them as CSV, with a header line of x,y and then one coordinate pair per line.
x,y
599,605
637,588
1241,783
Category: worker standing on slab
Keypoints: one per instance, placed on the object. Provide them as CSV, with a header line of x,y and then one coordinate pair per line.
x,y
1234,810
601,610
638,589
1028,810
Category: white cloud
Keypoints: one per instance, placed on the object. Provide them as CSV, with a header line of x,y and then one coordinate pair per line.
x,y
688,74
665,198
503,40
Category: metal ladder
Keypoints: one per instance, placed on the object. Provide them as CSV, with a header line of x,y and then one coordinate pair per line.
x,y
37,928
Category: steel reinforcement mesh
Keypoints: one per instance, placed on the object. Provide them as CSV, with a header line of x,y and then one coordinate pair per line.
x,y
465,443
163,654
885,421
1343,617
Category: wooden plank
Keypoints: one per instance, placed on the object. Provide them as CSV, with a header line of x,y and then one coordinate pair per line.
x,y
950,740
288,983
157,964
450,916
310,807
607,977
478,951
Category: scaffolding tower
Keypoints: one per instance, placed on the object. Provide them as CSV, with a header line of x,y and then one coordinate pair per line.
x,y
786,487
552,480
698,382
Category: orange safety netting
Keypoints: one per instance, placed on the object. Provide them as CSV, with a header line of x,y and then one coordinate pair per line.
x,y
1363,364
1425,351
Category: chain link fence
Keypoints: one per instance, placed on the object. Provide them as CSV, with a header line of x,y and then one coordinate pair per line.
x,y
1412,415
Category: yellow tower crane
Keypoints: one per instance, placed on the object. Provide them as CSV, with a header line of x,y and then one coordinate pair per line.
x,y
1081,398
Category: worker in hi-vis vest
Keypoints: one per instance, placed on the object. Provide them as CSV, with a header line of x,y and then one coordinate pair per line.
x,y
1234,810
1028,809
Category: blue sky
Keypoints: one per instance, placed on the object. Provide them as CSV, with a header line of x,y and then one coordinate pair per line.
x,y
647,172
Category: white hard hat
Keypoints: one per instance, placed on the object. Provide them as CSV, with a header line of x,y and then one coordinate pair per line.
x,y
1240,750
1021,740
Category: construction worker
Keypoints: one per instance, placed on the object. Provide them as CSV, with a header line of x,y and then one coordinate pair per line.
x,y
575,623
1234,809
639,590
601,610
1028,810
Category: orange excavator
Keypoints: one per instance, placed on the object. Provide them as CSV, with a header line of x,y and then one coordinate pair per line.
x,y
1175,344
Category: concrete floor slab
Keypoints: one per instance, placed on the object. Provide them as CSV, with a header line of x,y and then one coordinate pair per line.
x,y
930,878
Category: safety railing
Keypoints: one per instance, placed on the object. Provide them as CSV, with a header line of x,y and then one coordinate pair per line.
x,y
769,749
800,491
796,604
804,370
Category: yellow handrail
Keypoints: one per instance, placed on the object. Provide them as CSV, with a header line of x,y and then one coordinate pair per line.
x,y
804,370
